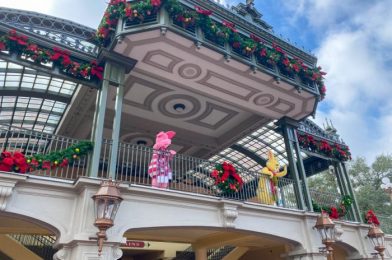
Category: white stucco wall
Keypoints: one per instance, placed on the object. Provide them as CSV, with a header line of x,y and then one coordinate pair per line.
x,y
67,208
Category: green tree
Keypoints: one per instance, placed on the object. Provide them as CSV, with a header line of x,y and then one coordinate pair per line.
x,y
367,180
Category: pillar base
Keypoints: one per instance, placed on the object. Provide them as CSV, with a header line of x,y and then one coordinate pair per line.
x,y
87,250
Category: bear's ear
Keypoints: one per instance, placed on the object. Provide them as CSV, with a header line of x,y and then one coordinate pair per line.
x,y
271,156
170,134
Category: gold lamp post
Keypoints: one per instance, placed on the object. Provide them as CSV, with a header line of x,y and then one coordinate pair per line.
x,y
377,237
326,229
106,201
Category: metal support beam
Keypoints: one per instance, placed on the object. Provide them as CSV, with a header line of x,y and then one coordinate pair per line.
x,y
98,124
249,153
355,206
116,66
302,172
288,137
116,121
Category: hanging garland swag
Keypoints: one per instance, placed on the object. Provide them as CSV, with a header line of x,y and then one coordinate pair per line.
x,y
18,162
22,46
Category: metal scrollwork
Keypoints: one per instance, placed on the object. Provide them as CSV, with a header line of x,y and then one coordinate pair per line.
x,y
70,34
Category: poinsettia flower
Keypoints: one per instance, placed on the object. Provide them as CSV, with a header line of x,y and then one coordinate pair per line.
x,y
263,52
64,163
286,62
372,218
18,155
237,45
180,18
214,173
334,214
296,68
8,161
199,10
5,154
230,25
323,90
96,70
2,46
277,48
128,11
156,3
104,32
34,163
32,47
255,38
46,165
5,167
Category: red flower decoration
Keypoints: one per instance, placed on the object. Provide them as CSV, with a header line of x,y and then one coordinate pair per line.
x,y
334,214
156,3
371,218
277,48
96,71
255,38
199,10
230,25
2,46
64,163
46,165
61,56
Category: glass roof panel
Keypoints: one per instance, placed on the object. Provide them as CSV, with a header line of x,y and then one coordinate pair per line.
x,y
41,110
258,143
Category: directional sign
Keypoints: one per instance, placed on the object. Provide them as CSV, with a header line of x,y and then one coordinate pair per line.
x,y
136,244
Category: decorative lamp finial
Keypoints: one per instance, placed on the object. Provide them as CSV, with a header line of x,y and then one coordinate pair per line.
x,y
250,3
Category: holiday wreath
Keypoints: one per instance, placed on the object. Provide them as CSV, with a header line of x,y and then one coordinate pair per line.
x,y
226,178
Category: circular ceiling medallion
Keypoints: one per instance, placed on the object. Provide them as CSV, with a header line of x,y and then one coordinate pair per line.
x,y
263,99
179,106
139,139
189,71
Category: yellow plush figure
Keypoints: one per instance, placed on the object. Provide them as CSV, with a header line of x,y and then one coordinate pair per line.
x,y
267,191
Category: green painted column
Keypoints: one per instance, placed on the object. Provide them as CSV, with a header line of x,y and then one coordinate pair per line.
x,y
288,135
116,66
356,210
302,172
117,123
98,124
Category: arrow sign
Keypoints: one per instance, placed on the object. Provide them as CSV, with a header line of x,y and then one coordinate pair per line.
x,y
136,244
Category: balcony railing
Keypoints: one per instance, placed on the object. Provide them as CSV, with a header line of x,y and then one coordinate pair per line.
x,y
329,199
39,244
190,174
38,143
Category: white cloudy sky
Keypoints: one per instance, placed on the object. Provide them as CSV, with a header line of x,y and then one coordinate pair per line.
x,y
351,38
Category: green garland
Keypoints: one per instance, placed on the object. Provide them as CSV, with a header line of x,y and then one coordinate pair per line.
x,y
336,211
61,158
332,150
20,45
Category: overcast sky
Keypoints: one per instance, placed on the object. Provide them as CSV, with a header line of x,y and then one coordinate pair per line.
x,y
351,38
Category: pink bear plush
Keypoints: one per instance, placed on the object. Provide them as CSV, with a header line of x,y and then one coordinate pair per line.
x,y
159,169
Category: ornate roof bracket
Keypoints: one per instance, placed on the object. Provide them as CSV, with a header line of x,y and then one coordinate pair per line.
x,y
250,13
